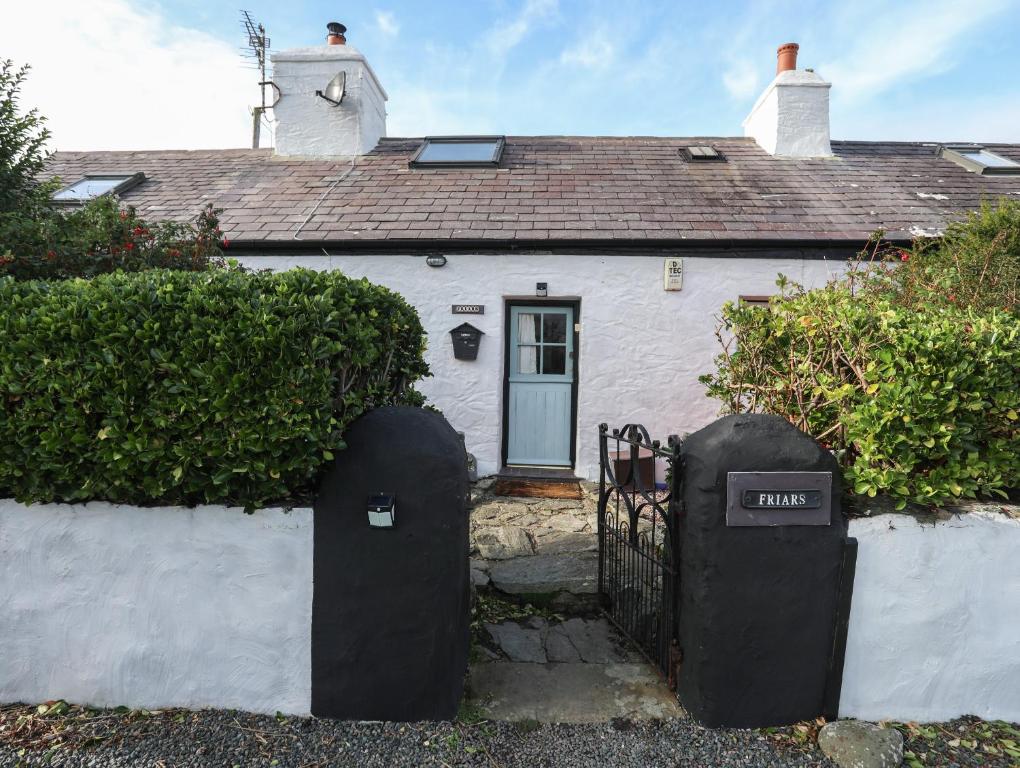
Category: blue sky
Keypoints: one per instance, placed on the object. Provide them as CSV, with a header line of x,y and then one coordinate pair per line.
x,y
917,69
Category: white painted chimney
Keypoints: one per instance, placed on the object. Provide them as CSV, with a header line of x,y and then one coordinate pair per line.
x,y
791,118
309,125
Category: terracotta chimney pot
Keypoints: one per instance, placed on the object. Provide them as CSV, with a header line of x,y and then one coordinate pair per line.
x,y
786,57
336,34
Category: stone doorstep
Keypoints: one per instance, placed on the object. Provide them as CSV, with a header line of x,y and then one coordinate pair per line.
x,y
573,572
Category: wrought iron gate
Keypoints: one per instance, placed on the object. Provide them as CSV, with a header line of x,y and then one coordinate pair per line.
x,y
639,555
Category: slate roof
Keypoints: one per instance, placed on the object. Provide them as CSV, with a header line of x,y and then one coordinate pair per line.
x,y
560,188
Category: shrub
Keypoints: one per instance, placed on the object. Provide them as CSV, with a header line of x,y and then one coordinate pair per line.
x,y
99,237
976,263
920,403
188,387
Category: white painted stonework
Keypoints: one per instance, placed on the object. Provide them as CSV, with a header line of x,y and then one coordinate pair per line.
x,y
933,627
791,117
156,607
641,348
309,126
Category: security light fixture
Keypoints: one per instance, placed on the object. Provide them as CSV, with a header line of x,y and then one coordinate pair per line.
x,y
977,159
436,260
382,510
96,185
459,152
541,289
334,92
701,153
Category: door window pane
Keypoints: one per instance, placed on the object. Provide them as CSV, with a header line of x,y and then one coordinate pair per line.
x,y
554,327
527,359
554,360
528,328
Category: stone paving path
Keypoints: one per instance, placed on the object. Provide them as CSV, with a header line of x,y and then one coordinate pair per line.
x,y
579,670
568,669
532,546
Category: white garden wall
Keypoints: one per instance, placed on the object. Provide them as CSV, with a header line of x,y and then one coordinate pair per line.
x,y
156,607
933,627
641,348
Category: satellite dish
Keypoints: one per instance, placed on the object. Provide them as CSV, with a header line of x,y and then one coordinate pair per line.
x,y
334,92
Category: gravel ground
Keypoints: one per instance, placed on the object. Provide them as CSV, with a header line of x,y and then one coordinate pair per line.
x,y
76,737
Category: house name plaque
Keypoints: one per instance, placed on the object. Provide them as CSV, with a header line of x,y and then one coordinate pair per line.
x,y
778,498
469,309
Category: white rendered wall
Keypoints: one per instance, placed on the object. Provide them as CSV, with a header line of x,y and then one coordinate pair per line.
x,y
641,348
791,117
156,607
933,627
309,126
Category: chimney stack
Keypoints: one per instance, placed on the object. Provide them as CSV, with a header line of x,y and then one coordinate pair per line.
x,y
786,57
308,125
791,117
336,34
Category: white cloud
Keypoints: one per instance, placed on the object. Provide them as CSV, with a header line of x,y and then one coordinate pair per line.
x,y
387,23
927,35
114,76
741,79
506,35
594,51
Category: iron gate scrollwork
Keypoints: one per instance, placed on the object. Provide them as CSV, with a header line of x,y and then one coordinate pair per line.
x,y
639,554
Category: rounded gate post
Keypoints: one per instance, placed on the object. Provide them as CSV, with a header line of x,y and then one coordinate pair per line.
x,y
390,613
762,542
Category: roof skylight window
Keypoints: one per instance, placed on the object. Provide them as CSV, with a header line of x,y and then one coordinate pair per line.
x,y
979,160
459,152
93,186
701,153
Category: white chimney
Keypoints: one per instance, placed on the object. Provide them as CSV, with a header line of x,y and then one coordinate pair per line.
x,y
791,118
308,123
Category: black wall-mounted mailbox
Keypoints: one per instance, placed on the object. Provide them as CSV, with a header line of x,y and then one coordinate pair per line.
x,y
465,341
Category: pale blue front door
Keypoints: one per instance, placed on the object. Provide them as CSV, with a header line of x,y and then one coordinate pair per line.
x,y
541,374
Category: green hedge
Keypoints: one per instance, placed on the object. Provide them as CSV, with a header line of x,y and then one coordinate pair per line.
x,y
184,387
921,403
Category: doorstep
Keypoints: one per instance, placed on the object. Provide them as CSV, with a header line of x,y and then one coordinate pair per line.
x,y
518,472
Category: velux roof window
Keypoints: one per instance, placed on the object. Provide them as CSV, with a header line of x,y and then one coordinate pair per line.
x,y
979,160
93,186
459,152
701,153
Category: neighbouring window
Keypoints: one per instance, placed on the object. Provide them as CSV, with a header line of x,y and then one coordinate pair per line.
x,y
459,152
93,186
977,159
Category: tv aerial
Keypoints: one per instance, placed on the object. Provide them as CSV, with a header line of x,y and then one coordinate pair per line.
x,y
258,44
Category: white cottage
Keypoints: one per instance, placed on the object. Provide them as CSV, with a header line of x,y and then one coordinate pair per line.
x,y
593,267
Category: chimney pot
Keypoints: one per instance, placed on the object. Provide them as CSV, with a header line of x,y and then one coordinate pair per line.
x,y
336,34
786,57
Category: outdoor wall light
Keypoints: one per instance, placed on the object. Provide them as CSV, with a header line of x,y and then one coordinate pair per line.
x,y
436,261
382,510
541,289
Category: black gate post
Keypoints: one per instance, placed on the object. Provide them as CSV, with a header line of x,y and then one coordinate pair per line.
x,y
390,607
765,575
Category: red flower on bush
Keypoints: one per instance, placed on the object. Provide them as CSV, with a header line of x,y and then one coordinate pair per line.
x,y
904,256
226,243
129,246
